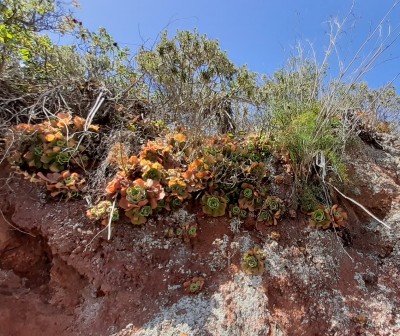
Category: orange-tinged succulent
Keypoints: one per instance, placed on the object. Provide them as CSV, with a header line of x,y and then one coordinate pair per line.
x,y
51,145
197,175
139,216
63,120
179,137
119,182
194,285
134,196
65,183
155,192
339,216
177,186
250,198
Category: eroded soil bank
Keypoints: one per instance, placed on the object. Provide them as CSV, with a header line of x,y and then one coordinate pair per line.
x,y
60,276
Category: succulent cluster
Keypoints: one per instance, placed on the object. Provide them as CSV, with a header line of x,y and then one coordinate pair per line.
x,y
51,145
224,174
65,184
194,285
324,217
273,209
253,261
102,211
186,231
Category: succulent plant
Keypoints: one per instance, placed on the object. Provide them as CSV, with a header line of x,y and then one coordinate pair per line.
x,y
248,193
194,285
214,205
102,211
272,210
50,145
320,218
265,216
136,194
173,202
197,174
150,152
156,195
146,211
152,171
119,182
177,186
247,197
339,216
235,211
253,261
187,231
136,216
177,140
243,214
65,183
257,170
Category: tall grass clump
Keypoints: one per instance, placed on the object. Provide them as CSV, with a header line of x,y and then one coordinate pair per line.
x,y
312,118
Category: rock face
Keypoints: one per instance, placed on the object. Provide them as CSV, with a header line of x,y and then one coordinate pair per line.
x,y
59,275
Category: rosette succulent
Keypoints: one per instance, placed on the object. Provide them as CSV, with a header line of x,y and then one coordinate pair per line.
x,y
102,211
194,285
248,193
173,203
177,186
187,231
235,211
136,215
214,205
243,214
253,261
146,211
265,216
46,146
152,171
275,207
258,170
136,194
247,197
320,218
339,216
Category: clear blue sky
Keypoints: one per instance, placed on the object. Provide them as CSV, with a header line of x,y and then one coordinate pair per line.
x,y
259,33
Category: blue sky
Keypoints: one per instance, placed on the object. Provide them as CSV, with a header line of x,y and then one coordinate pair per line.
x,y
260,33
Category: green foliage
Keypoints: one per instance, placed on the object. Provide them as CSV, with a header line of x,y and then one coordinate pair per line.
x,y
189,73
20,22
308,200
303,124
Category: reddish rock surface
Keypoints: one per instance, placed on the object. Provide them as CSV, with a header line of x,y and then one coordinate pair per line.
x,y
60,276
